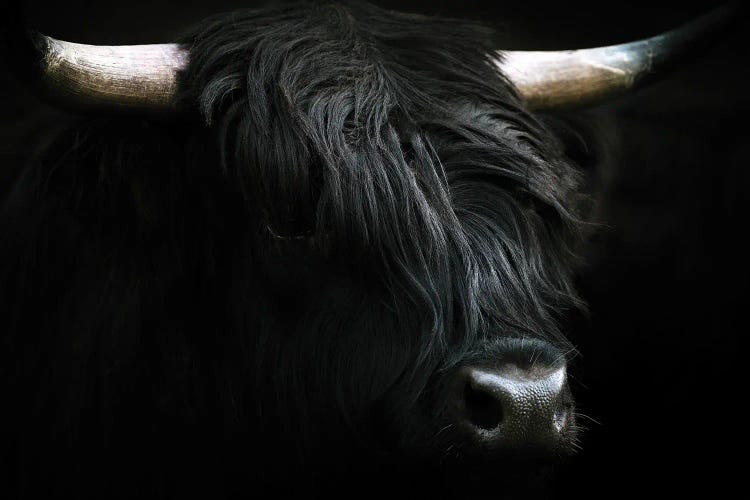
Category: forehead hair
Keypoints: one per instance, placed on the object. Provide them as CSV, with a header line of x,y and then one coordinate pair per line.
x,y
390,139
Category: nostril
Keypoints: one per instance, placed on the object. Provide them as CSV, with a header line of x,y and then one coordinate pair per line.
x,y
482,409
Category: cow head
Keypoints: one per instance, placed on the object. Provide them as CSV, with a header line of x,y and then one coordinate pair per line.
x,y
414,226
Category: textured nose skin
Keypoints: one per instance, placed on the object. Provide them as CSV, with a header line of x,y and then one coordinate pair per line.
x,y
512,407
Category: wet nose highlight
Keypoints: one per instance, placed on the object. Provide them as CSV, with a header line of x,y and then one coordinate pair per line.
x,y
512,406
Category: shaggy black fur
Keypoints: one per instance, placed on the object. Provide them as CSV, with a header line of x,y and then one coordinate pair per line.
x,y
361,205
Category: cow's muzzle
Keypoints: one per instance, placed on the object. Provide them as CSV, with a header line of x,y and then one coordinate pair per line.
x,y
514,406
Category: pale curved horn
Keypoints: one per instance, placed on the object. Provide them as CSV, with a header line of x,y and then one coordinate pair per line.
x,y
570,78
95,77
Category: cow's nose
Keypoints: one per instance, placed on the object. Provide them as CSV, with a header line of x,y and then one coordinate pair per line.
x,y
513,408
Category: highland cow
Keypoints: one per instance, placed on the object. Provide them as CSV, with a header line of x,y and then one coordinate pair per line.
x,y
344,252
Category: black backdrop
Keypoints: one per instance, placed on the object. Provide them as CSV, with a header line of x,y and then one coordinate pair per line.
x,y
661,371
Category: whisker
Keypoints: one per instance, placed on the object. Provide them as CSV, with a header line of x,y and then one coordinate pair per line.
x,y
437,434
591,419
564,355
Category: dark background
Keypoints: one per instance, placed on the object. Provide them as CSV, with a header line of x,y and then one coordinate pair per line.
x,y
661,370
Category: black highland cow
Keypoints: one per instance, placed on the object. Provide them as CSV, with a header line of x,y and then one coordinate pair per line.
x,y
350,264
